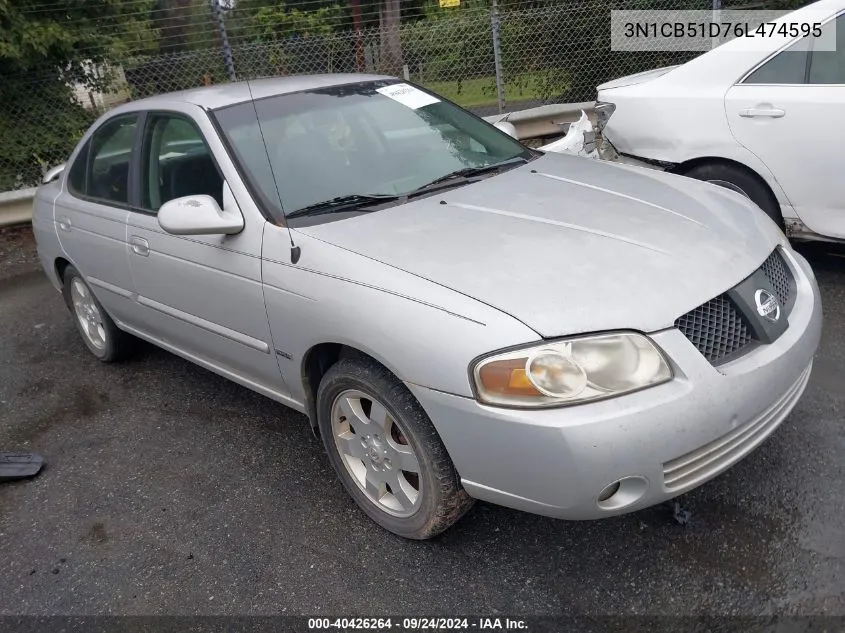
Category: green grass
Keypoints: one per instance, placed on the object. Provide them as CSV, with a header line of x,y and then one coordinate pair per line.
x,y
482,92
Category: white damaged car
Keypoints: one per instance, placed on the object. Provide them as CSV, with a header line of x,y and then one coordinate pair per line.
x,y
757,115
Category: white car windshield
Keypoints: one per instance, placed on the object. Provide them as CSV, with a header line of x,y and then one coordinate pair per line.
x,y
363,139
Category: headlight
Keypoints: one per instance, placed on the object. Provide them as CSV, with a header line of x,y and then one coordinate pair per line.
x,y
570,371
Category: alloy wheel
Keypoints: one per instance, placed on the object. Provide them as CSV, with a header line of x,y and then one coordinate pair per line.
x,y
88,314
376,453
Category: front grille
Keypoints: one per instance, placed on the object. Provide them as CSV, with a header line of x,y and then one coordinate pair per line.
x,y
775,269
719,331
715,328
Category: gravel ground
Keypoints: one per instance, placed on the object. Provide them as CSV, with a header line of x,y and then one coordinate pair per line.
x,y
169,490
17,251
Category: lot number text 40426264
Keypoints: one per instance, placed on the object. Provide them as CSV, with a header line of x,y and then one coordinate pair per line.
x,y
418,624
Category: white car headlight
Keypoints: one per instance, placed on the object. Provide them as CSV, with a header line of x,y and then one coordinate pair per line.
x,y
570,371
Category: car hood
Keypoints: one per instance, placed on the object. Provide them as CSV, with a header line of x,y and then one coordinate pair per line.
x,y
637,78
568,245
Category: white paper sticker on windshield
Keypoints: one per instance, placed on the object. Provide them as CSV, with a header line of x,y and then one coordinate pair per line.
x,y
408,95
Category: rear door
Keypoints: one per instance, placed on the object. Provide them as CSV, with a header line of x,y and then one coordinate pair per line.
x,y
790,112
92,208
200,295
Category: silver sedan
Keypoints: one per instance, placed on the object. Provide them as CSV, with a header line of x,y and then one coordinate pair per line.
x,y
460,317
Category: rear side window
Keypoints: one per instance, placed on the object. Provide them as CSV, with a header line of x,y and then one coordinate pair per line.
x,y
109,154
76,175
801,64
787,67
828,67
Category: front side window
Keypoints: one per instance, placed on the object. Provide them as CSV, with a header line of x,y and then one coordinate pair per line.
x,y
109,156
371,139
176,162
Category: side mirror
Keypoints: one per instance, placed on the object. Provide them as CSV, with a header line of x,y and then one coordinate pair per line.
x,y
507,127
201,215
53,173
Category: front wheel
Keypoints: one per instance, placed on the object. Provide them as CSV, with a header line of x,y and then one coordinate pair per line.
x,y
386,452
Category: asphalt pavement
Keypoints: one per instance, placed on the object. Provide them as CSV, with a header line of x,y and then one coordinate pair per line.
x,y
169,490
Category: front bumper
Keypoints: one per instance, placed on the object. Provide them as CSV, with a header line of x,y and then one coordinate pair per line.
x,y
659,442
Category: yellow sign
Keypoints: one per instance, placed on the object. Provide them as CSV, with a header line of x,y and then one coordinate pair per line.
x,y
445,4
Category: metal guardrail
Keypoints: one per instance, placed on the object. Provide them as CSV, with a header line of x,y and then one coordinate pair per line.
x,y
545,122
16,206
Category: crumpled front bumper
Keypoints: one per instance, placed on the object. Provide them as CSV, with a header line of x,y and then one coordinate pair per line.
x,y
659,442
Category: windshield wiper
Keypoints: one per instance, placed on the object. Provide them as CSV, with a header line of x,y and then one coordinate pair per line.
x,y
461,175
342,203
359,200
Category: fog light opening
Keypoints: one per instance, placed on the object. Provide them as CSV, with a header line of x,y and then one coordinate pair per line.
x,y
622,493
609,491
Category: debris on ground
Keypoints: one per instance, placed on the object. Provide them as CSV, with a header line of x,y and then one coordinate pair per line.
x,y
19,465
681,515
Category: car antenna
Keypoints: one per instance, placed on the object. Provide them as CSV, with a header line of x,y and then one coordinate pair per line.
x,y
295,251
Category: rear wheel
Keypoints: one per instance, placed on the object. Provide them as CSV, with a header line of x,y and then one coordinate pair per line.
x,y
741,181
99,333
386,452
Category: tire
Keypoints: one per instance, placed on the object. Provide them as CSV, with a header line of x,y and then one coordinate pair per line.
x,y
99,333
371,427
743,182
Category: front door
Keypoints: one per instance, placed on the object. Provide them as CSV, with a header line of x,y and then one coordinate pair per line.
x,y
790,112
199,294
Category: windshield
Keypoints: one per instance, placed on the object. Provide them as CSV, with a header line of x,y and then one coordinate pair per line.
x,y
369,139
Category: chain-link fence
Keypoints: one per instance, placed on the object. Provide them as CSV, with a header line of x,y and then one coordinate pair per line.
x,y
548,51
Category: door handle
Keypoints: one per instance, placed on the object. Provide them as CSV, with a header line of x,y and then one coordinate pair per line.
x,y
140,246
65,224
773,113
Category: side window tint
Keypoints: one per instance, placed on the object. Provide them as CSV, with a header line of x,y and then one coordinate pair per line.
x,y
176,162
76,175
110,152
787,67
828,66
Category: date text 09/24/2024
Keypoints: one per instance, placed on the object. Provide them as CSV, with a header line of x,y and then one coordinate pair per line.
x,y
418,624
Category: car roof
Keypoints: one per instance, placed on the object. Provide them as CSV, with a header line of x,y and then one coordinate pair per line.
x,y
222,95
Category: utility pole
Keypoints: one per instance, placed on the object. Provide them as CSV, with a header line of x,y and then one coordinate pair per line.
x,y
224,39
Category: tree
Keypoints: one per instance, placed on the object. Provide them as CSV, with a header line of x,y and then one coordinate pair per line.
x,y
174,21
279,22
39,35
390,18
45,47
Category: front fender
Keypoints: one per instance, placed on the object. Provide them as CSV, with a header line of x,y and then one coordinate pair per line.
x,y
424,333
